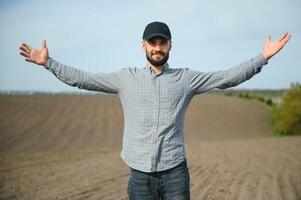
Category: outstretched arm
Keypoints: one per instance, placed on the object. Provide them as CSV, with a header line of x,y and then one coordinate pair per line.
x,y
199,82
103,82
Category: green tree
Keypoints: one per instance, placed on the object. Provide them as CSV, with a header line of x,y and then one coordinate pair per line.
x,y
288,116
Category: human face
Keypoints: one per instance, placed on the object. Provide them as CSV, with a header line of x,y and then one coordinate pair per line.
x,y
157,51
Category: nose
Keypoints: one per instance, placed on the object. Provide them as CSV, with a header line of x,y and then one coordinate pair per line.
x,y
157,48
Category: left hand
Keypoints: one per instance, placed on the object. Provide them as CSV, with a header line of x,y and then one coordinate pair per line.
x,y
271,48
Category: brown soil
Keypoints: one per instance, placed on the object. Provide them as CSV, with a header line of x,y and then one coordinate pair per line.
x,y
68,146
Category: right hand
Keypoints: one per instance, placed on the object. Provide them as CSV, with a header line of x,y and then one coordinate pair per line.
x,y
37,56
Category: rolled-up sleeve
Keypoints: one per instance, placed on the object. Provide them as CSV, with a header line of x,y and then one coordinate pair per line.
x,y
199,82
103,82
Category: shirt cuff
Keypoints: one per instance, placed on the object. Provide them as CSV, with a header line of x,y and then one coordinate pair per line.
x,y
49,63
261,59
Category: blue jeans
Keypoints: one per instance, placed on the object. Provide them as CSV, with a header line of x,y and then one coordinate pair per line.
x,y
171,184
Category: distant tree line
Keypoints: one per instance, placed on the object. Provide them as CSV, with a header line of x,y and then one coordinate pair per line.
x,y
284,106
288,113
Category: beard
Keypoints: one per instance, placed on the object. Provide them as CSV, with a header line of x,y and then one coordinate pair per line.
x,y
158,62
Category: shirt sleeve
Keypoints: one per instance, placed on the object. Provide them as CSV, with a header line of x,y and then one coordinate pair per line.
x,y
103,82
199,82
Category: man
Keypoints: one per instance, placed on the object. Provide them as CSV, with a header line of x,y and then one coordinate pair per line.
x,y
154,100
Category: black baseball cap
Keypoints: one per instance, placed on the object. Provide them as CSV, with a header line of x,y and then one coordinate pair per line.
x,y
156,29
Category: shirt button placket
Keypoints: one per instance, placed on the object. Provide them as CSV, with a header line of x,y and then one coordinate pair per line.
x,y
156,121
157,118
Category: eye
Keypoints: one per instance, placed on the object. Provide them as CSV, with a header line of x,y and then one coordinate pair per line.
x,y
163,42
152,42
157,41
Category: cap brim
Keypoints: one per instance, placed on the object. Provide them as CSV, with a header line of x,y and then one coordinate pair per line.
x,y
157,35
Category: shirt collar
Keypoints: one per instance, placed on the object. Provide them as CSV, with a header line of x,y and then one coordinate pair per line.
x,y
164,68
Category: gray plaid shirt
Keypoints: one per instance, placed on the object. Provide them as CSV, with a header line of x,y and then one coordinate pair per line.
x,y
154,105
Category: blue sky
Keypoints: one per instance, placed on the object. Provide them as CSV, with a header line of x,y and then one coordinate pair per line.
x,y
104,36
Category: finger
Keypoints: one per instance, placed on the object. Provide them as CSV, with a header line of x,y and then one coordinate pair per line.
x,y
44,44
282,37
286,39
24,49
29,60
268,39
27,46
24,54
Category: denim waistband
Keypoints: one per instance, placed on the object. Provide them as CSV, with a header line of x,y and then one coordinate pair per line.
x,y
182,164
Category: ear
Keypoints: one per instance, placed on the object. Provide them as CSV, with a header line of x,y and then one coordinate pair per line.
x,y
170,45
143,44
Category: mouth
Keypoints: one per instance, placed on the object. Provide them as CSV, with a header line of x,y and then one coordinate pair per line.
x,y
158,55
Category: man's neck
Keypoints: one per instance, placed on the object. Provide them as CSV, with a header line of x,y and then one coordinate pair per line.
x,y
157,69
